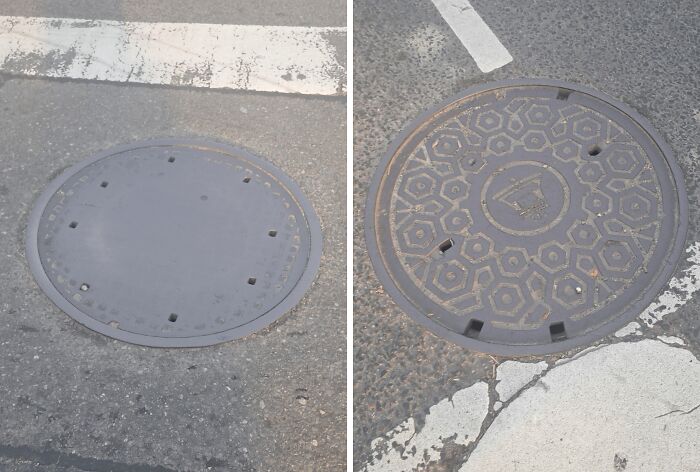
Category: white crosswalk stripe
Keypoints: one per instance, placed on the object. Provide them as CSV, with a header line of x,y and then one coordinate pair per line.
x,y
286,59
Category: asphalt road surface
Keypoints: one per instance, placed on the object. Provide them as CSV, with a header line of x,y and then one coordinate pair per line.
x,y
73,400
459,410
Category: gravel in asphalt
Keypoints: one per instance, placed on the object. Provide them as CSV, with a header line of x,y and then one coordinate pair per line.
x,y
406,60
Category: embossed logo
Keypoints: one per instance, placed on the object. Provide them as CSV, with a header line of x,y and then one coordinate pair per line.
x,y
525,198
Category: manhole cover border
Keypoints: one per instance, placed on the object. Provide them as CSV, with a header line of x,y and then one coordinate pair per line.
x,y
285,305
634,309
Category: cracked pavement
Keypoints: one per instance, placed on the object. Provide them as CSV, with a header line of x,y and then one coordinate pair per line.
x,y
422,403
556,413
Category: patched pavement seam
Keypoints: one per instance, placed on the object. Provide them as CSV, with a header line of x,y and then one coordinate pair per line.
x,y
493,397
488,422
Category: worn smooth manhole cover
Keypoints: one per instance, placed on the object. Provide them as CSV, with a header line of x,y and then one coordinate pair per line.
x,y
174,243
526,217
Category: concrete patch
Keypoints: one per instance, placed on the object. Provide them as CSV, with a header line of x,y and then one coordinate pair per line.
x,y
629,329
513,375
456,420
633,406
671,340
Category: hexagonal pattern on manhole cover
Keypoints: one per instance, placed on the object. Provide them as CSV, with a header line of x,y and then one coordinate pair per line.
x,y
174,243
526,217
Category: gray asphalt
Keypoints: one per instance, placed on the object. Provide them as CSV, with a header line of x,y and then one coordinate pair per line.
x,y
73,400
277,12
406,60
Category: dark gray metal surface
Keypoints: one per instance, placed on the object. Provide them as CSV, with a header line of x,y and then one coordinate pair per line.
x,y
174,243
526,217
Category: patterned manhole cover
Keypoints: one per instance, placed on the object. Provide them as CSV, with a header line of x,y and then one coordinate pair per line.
x,y
526,218
174,243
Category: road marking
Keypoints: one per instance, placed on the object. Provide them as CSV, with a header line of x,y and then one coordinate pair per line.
x,y
475,35
457,419
680,290
285,59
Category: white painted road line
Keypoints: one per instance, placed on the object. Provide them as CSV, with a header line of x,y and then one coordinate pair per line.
x,y
680,292
475,35
285,59
457,419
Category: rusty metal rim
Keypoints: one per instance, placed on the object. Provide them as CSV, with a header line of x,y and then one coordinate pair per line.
x,y
285,305
633,309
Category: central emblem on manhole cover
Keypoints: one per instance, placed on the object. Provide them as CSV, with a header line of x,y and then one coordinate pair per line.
x,y
174,243
525,198
526,218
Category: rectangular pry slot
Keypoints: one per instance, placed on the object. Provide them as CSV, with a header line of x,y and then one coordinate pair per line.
x,y
474,329
445,246
563,94
557,331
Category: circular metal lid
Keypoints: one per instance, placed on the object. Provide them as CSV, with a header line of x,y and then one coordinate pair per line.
x,y
526,217
174,243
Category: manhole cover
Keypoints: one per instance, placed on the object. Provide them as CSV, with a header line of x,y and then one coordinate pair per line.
x,y
174,243
526,217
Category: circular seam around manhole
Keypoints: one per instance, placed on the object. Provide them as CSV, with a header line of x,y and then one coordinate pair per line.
x,y
174,243
526,217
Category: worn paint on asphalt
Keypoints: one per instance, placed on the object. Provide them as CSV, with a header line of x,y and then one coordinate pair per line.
x,y
457,419
680,291
286,59
481,42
